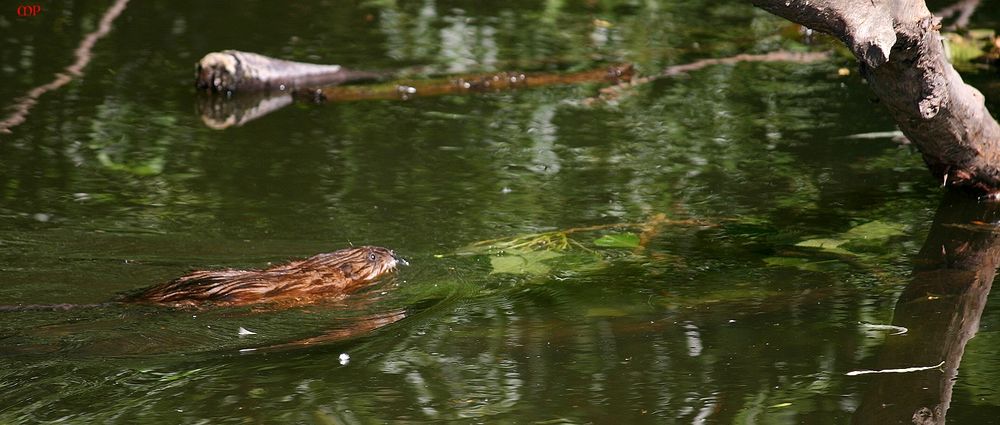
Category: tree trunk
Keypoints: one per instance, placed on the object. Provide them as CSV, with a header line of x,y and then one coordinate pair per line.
x,y
899,47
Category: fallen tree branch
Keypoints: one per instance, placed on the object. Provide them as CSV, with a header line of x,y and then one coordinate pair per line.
x,y
274,83
230,71
483,83
220,111
899,47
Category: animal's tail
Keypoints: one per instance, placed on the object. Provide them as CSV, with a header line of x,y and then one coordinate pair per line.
x,y
51,307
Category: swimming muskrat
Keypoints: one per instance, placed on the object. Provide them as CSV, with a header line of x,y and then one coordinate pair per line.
x,y
322,276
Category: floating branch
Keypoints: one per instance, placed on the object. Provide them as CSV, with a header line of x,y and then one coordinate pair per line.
x,y
230,71
465,84
903,370
243,86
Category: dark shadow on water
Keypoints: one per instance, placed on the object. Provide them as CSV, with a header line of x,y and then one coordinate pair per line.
x,y
941,307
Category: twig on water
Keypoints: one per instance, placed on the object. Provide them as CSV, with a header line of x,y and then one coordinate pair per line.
x,y
903,370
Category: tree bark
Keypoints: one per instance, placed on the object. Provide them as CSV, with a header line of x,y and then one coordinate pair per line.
x,y
899,47
230,71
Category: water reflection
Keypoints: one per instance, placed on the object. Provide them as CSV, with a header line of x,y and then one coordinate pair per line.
x,y
607,346
702,325
219,112
941,307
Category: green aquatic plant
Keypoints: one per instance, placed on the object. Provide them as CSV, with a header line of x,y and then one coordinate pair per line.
x,y
575,249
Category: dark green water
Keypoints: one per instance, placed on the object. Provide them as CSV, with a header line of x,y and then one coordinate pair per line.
x,y
113,183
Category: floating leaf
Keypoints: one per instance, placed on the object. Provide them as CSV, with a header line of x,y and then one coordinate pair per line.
x,y
618,240
875,230
523,262
822,243
825,244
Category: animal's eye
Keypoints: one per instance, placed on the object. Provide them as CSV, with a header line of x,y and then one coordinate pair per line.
x,y
371,256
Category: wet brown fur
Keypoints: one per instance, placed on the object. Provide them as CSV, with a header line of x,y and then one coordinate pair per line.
x,y
323,276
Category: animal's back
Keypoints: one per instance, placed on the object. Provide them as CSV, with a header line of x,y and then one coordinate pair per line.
x,y
321,276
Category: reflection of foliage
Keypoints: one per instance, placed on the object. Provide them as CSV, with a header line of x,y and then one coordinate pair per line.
x,y
978,365
866,246
111,136
707,138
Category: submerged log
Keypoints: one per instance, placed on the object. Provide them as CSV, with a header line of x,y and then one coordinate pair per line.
x,y
463,84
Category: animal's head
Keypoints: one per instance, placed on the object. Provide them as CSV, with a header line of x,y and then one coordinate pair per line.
x,y
367,263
